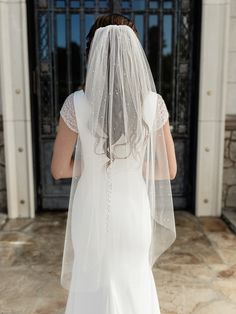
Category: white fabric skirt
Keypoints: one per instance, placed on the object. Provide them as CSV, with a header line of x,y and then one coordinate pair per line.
x,y
128,284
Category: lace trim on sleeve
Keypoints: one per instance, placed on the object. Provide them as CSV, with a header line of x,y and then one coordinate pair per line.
x,y
162,113
68,113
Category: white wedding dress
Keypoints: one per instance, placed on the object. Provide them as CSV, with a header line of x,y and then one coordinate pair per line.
x,y
128,283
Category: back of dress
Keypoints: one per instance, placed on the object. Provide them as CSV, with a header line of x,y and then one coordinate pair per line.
x,y
120,214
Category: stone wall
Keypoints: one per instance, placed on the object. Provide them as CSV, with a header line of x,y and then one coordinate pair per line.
x,y
3,196
229,176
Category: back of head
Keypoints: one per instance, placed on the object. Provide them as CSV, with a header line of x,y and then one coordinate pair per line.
x,y
117,81
105,20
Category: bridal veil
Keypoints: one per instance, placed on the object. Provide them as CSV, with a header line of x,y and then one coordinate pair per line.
x,y
125,123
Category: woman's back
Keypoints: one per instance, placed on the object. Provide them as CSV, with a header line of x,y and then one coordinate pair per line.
x,y
120,217
117,200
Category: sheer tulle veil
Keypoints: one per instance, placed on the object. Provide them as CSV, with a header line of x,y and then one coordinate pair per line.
x,y
125,123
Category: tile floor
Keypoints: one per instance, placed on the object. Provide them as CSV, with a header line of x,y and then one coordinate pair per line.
x,y
196,275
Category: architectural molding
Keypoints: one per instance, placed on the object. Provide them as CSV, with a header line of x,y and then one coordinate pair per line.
x,y
14,86
212,104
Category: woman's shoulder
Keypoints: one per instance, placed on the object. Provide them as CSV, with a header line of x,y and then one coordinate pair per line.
x,y
67,112
71,98
159,97
73,94
154,96
80,90
154,110
78,94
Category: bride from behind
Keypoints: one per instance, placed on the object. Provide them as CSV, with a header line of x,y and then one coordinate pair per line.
x,y
114,141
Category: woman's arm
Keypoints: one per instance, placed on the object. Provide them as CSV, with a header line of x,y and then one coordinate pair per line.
x,y
170,150
62,163
163,169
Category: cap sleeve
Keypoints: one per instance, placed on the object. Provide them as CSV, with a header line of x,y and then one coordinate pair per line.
x,y
67,113
162,114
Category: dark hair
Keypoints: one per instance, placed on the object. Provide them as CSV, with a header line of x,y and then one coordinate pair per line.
x,y
104,20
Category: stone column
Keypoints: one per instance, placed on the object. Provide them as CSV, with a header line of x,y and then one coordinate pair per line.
x,y
14,93
212,103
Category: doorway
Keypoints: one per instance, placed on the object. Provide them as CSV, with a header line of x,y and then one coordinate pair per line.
x,y
169,32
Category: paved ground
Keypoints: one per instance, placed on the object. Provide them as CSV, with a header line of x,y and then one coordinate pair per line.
x,y
196,275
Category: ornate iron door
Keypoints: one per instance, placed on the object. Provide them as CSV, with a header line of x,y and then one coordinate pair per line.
x,y
167,32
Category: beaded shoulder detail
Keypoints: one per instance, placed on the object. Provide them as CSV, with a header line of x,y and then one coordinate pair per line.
x,y
67,112
163,114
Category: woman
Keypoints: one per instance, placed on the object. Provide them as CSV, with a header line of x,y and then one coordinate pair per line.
x,y
120,217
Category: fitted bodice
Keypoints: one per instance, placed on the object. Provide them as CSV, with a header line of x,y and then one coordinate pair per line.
x,y
91,150
76,111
